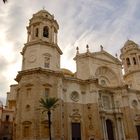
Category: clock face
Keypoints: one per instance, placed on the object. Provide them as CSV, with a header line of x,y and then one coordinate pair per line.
x,y
32,56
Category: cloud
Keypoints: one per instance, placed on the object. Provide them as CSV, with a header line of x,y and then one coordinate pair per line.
x,y
3,63
81,22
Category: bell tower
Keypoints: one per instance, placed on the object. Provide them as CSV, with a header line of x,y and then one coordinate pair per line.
x,y
130,56
41,49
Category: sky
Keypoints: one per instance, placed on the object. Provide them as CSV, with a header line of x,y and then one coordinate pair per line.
x,y
94,22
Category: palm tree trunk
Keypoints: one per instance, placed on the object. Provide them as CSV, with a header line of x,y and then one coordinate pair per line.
x,y
49,119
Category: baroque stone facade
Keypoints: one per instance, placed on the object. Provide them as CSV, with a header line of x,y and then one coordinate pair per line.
x,y
97,102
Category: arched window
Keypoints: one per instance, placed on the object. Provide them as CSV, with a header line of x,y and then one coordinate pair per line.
x,y
28,92
46,31
46,92
134,61
36,32
26,131
128,61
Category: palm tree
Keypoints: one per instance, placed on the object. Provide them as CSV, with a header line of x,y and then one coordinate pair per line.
x,y
48,104
5,1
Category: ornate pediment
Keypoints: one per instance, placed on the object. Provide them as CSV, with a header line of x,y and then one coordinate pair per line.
x,y
75,116
106,57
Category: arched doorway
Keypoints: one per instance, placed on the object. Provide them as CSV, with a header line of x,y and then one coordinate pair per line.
x,y
76,131
110,132
138,131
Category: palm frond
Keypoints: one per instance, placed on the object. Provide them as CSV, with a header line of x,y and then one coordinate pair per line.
x,y
5,1
48,103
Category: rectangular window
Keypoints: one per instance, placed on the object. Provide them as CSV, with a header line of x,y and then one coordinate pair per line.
x,y
44,130
7,117
106,102
46,92
46,62
26,131
28,91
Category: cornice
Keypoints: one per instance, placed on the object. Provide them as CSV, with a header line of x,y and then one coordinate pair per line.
x,y
109,55
41,42
38,70
76,80
72,79
112,89
133,90
82,55
123,87
131,72
95,81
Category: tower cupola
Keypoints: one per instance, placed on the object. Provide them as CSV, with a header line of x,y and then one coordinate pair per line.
x,y
43,26
130,56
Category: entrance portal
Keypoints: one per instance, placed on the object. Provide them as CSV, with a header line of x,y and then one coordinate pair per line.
x,y
138,131
109,130
76,131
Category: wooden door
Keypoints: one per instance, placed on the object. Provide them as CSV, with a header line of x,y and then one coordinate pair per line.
x,y
76,131
110,132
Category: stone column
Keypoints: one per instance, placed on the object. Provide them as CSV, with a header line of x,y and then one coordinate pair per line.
x,y
138,59
123,134
40,31
117,135
105,137
32,33
120,129
52,34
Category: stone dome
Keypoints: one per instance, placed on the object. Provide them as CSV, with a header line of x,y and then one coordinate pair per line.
x,y
43,13
67,72
129,45
129,42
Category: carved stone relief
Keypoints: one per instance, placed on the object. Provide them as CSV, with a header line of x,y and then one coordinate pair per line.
x,y
75,96
75,116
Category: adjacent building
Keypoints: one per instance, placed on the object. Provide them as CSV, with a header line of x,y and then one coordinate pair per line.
x,y
97,102
6,122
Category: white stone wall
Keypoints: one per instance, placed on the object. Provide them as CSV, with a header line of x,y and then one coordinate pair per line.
x,y
34,57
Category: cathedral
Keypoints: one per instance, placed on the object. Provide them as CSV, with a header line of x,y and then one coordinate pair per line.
x,y
97,102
